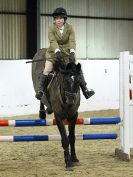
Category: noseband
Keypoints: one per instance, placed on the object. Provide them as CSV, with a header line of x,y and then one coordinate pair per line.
x,y
70,94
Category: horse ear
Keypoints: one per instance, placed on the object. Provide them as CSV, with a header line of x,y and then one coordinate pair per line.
x,y
69,66
78,67
61,65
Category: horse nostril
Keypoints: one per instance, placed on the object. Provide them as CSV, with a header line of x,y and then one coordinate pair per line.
x,y
70,98
70,101
67,100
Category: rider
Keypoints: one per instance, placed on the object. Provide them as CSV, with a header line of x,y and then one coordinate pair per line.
x,y
62,43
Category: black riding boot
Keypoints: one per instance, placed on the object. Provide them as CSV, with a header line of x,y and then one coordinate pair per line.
x,y
87,93
42,86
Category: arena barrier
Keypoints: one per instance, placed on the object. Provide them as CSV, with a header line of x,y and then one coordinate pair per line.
x,y
42,122
126,105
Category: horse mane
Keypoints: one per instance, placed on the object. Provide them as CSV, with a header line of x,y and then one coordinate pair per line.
x,y
69,68
58,65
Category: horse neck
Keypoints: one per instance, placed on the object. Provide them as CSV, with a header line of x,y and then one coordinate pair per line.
x,y
60,83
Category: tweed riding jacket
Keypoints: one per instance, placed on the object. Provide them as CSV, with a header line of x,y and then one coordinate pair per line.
x,y
64,41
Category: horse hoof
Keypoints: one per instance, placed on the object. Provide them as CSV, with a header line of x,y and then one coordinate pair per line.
x,y
75,159
76,163
42,114
69,169
69,165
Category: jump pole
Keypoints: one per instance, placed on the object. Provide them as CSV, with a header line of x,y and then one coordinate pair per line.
x,y
43,122
55,137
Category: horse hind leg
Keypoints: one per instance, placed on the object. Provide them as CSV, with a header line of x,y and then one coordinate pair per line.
x,y
65,144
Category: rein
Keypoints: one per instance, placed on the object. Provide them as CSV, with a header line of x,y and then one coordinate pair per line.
x,y
53,76
73,95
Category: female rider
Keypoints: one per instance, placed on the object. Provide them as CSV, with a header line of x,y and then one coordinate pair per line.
x,y
62,43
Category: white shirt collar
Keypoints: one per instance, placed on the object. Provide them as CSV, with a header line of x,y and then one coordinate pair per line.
x,y
61,28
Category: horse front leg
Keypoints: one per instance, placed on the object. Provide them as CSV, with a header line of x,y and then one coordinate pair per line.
x,y
65,143
71,129
42,111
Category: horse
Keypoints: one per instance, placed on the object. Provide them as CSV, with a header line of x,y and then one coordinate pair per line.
x,y
63,95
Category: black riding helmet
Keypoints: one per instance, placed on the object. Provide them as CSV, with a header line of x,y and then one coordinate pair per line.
x,y
60,11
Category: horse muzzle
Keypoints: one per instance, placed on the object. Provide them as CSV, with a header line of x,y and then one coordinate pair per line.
x,y
70,98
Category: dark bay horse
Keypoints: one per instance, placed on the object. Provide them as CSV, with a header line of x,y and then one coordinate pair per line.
x,y
64,96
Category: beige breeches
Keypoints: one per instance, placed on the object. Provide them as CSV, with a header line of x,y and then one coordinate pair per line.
x,y
48,67
48,64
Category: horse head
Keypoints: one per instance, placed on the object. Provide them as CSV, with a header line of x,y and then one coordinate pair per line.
x,y
69,85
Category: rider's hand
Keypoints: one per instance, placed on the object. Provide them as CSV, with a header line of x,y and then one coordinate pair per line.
x,y
72,57
58,56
